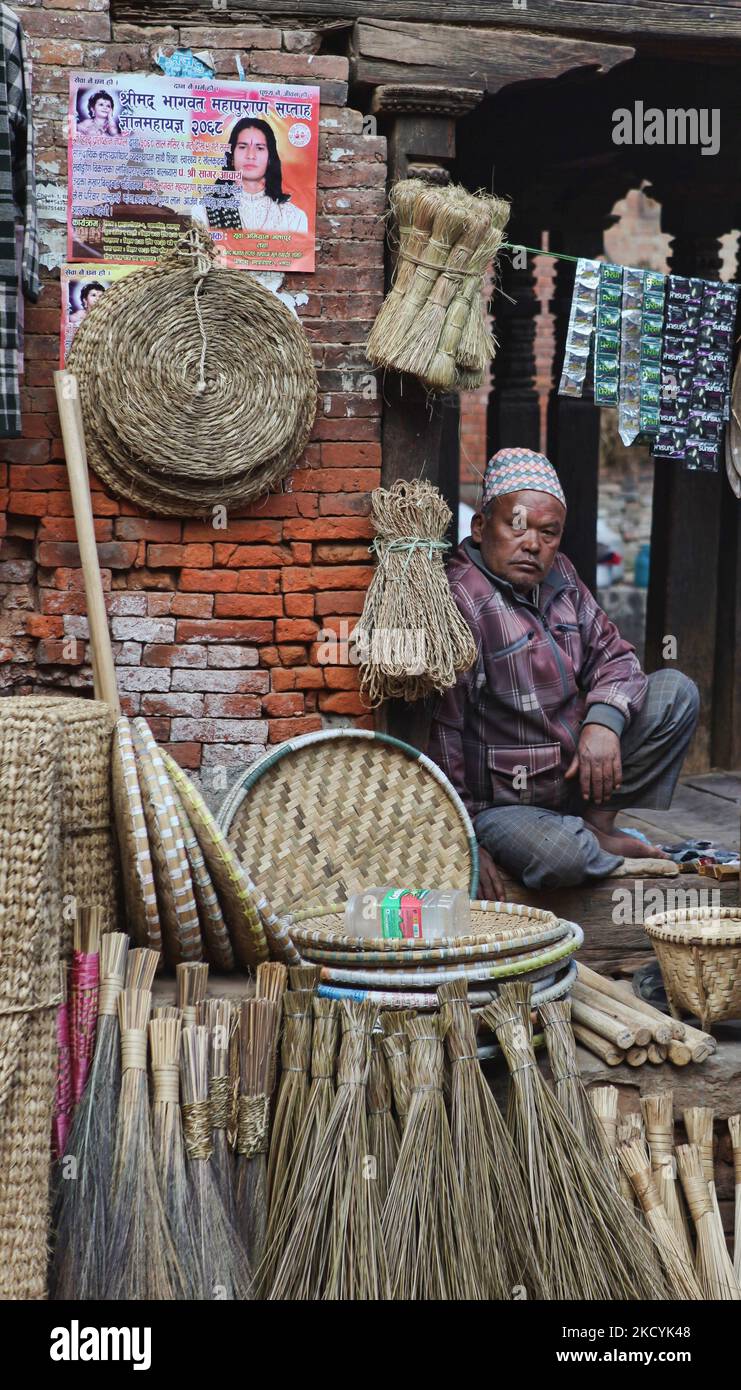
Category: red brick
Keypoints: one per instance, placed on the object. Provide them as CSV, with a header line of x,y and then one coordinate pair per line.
x,y
343,702
157,654
299,605
283,679
142,528
340,554
335,479
188,755
30,477
248,606
301,553
351,456
118,555
258,581
215,631
152,579
281,729
160,728
321,578
325,529
38,625
44,24
57,653
62,528
212,581
295,630
289,655
233,706
251,556
231,36
280,706
174,556
191,605
230,658
173,705
338,603
262,530
341,677
308,677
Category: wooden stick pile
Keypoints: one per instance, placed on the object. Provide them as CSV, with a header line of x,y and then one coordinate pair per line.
x,y
432,322
614,1024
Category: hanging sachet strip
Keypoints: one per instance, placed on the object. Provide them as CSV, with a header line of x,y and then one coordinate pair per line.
x,y
629,398
581,328
678,355
709,404
607,336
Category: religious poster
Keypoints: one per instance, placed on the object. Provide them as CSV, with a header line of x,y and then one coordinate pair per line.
x,y
83,286
147,155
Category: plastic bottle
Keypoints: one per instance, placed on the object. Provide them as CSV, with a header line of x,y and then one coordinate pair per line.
x,y
408,912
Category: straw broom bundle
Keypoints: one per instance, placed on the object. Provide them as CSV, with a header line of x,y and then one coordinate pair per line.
x,y
191,983
216,1016
438,220
141,968
222,1270
475,1159
714,1267
734,1125
698,1122
167,1141
303,976
412,206
293,1090
570,1091
604,1102
658,1118
429,1246
271,982
258,1034
334,1248
383,1135
466,344
142,1259
82,1218
395,1045
679,1271
409,596
462,229
589,1244
84,994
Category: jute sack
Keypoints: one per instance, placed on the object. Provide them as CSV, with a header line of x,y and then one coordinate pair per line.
x,y
31,755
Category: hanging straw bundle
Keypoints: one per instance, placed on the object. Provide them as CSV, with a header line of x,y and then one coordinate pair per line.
x,y
167,1141
223,1271
395,1043
465,345
258,1035
679,1270
412,204
84,994
429,1245
734,1125
658,1118
293,1091
589,1245
334,1248
82,1217
415,641
383,1136
216,1016
714,1267
570,1091
142,1259
698,1122
191,983
475,1160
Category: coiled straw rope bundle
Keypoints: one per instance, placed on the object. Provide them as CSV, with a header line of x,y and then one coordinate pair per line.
x,y
197,384
411,637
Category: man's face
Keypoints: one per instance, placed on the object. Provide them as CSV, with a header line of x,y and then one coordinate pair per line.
x,y
519,537
251,154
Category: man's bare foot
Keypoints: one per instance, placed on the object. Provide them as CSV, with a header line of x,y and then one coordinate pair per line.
x,y
614,840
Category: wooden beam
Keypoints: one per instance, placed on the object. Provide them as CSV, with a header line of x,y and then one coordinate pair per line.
x,y
701,20
388,50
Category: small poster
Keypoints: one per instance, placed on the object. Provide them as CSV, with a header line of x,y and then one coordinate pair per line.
x,y
83,286
146,155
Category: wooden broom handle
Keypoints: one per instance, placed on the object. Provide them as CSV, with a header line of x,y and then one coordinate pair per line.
x,y
70,417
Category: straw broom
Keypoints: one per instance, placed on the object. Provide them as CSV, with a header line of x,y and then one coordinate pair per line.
x,y
714,1267
383,1135
486,1215
167,1141
303,976
448,225
679,1271
334,1248
658,1118
293,1090
222,1270
258,1034
417,206
570,1091
84,994
462,235
395,1045
191,983
216,1017
734,1125
82,1217
589,1243
604,1102
141,968
466,343
698,1122
271,982
142,1259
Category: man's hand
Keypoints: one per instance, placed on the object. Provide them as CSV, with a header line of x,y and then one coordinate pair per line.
x,y
490,881
598,763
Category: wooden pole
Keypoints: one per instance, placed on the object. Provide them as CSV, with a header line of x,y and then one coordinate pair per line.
x,y
607,1027
611,1056
640,1027
70,418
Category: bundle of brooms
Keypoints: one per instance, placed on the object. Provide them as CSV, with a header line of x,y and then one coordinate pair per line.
x,y
432,322
216,1016
714,1266
672,1252
168,1143
412,639
258,1034
658,1117
395,1045
383,1135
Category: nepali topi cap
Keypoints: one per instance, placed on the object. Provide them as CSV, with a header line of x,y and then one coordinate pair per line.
x,y
520,470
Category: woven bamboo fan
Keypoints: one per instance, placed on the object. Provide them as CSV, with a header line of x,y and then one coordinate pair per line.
x,y
133,841
336,811
197,385
178,912
497,930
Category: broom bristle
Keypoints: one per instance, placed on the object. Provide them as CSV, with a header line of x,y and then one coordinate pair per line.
x,y
191,983
383,1135
141,968
395,1045
258,1035
570,1093
167,1140
216,1016
658,1118
714,1267
271,980
303,976
679,1270
293,1090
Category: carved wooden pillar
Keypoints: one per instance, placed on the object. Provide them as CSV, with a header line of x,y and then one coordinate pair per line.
x,y
726,732
513,417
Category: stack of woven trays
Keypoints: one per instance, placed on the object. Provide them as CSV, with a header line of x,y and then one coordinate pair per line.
x,y
506,941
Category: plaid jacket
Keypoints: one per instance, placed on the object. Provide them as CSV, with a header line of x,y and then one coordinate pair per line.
x,y
507,731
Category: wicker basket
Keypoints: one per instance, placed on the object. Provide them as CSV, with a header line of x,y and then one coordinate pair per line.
x,y
699,951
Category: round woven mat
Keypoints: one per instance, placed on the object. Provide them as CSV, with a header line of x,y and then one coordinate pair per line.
x,y
133,842
330,813
497,929
197,385
178,912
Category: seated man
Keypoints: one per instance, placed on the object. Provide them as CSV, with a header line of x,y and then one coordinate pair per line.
x,y
555,728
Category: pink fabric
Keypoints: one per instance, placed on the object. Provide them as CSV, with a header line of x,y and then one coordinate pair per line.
x,y
84,999
62,1118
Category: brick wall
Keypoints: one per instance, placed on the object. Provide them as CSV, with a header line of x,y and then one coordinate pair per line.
x,y
215,632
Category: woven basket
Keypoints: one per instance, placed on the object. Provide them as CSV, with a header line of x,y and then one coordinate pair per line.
x,y
197,385
498,930
699,952
330,813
